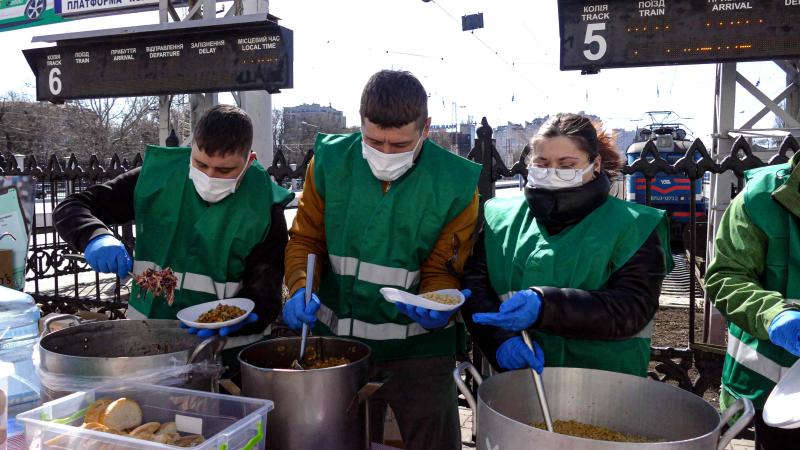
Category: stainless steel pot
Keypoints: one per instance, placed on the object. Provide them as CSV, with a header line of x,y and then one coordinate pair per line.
x,y
119,348
507,405
314,409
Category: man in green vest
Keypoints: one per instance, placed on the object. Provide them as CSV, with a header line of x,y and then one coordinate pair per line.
x,y
387,207
754,281
211,213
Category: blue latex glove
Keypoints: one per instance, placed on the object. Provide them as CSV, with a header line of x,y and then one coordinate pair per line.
x,y
516,314
514,354
224,331
296,313
106,254
428,318
784,331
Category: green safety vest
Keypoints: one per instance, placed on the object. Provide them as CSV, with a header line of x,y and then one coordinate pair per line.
x,y
376,240
753,366
204,244
521,254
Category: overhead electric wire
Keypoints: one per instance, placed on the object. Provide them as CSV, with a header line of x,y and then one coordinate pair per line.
x,y
496,53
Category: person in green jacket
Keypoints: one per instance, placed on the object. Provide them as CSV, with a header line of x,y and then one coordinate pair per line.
x,y
754,281
211,213
579,269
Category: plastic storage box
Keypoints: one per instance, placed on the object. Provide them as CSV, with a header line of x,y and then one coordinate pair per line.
x,y
226,422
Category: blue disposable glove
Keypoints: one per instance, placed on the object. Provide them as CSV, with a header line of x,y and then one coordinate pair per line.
x,y
516,314
784,331
514,354
296,313
428,318
106,254
224,331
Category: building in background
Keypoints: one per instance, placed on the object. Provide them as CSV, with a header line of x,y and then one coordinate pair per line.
x,y
295,128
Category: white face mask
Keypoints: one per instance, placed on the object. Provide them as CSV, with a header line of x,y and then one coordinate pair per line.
x,y
552,179
211,189
385,166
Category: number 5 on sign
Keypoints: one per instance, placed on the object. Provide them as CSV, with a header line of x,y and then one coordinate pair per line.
x,y
592,35
55,81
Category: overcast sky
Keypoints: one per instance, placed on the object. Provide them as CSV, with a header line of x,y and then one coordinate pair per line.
x,y
507,71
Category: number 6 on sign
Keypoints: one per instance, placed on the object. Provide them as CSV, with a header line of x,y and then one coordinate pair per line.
x,y
55,82
591,28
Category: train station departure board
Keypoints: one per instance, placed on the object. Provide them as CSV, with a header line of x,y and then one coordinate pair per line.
x,y
234,57
630,33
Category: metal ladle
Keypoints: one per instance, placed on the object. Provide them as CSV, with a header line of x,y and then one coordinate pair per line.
x,y
310,264
537,381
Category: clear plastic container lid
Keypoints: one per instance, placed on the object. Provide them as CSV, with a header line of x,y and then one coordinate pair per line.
x,y
782,409
19,316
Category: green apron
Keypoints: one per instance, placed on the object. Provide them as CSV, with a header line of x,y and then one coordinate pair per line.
x,y
521,254
376,240
204,244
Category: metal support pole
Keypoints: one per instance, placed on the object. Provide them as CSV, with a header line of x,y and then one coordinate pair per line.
x,y
725,111
258,104
163,100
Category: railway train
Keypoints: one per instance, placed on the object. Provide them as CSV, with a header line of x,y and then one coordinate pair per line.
x,y
668,192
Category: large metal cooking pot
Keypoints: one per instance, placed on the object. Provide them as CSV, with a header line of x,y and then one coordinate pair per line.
x,y
314,409
507,404
119,348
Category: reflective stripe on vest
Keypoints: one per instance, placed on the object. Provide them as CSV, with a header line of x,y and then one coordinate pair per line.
x,y
366,330
748,357
373,273
645,333
193,281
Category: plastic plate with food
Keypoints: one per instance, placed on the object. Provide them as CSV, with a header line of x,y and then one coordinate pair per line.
x,y
216,314
443,300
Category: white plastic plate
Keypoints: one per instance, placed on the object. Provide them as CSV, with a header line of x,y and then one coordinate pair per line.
x,y
782,409
393,295
190,315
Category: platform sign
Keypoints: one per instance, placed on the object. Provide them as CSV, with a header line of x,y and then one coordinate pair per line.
x,y
630,33
93,8
234,57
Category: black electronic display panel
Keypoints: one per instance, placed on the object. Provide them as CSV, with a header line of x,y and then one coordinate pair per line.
x,y
630,33
236,57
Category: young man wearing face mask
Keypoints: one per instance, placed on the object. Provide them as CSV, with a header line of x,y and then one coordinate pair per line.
x,y
211,213
579,269
386,207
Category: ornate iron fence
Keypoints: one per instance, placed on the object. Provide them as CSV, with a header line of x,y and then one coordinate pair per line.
x,y
60,284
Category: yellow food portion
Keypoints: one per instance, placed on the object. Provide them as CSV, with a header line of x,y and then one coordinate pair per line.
x,y
222,313
312,361
441,298
582,430
324,363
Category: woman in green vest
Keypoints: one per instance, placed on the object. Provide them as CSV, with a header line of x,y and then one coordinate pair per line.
x,y
754,281
211,213
579,269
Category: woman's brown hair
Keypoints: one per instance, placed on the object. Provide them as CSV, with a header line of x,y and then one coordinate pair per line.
x,y
588,137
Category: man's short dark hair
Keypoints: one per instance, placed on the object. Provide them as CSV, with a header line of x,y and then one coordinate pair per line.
x,y
393,99
224,129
